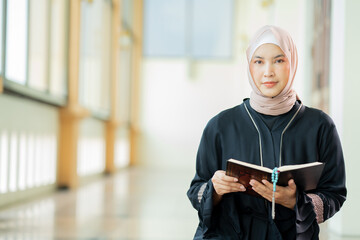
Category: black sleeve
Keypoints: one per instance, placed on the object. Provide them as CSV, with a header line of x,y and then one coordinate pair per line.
x,y
331,189
208,161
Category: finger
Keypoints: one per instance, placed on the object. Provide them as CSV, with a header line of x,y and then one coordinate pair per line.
x,y
235,187
267,184
254,183
261,185
270,186
231,184
228,178
261,189
220,174
225,179
292,184
224,188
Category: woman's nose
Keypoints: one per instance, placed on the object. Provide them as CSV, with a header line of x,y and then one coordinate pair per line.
x,y
268,71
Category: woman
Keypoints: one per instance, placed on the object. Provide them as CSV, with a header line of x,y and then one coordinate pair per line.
x,y
272,128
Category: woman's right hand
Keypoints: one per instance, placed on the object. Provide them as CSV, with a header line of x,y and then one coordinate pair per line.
x,y
224,184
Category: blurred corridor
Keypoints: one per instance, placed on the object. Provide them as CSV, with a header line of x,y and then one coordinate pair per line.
x,y
133,204
103,103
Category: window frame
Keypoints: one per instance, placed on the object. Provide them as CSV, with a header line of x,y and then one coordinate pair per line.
x,y
24,90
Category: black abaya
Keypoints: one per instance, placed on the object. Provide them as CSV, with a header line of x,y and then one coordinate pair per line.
x,y
310,137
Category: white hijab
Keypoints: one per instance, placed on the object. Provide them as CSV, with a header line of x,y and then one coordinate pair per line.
x,y
283,102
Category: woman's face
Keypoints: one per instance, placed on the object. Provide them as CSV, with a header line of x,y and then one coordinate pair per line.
x,y
270,68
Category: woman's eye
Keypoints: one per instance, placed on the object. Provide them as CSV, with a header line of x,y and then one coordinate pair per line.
x,y
279,61
258,62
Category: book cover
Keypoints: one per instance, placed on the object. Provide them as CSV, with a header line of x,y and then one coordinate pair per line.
x,y
306,176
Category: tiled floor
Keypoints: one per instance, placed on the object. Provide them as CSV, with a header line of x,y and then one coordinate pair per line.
x,y
144,204
141,204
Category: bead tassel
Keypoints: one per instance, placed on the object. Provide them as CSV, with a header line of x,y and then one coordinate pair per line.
x,y
274,179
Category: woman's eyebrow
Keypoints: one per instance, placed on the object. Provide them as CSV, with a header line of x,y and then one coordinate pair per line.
x,y
277,56
280,55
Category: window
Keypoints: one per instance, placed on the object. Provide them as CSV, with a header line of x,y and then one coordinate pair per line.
x,y
124,86
211,32
58,39
127,9
38,44
188,28
35,59
95,42
16,41
165,28
321,54
122,142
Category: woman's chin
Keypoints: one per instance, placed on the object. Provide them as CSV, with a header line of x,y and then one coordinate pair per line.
x,y
270,94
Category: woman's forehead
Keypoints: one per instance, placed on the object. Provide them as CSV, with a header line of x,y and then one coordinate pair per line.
x,y
268,50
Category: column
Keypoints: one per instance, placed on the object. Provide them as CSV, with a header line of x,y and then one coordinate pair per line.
x,y
136,78
72,113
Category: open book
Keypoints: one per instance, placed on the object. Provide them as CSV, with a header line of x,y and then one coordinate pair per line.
x,y
306,176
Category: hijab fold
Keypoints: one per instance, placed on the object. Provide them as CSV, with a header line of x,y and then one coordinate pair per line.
x,y
285,100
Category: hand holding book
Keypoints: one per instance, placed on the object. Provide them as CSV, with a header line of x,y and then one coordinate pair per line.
x,y
224,184
285,196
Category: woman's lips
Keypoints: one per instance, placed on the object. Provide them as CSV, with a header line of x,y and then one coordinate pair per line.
x,y
269,84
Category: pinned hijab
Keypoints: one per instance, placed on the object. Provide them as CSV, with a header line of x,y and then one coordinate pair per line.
x,y
285,100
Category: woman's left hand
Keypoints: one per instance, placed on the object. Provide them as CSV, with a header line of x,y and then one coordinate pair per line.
x,y
285,196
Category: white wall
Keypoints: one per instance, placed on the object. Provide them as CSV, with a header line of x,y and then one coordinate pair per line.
x,y
28,148
344,92
177,107
179,96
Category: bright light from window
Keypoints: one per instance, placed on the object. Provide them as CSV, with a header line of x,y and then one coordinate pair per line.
x,y
46,161
30,168
16,39
57,48
53,158
38,44
91,156
95,41
4,149
41,163
37,162
122,152
22,161
13,162
122,149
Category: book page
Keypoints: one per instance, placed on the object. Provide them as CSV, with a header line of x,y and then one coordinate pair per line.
x,y
297,166
254,166
281,169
